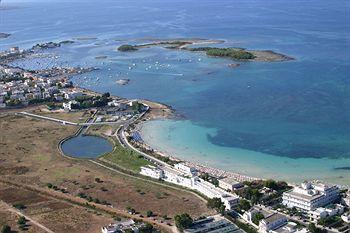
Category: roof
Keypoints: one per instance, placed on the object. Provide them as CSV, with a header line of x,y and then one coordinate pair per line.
x,y
273,217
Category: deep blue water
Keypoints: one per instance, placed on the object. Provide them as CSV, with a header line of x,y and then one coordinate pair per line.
x,y
86,146
298,109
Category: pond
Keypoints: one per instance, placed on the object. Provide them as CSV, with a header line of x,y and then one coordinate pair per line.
x,y
86,146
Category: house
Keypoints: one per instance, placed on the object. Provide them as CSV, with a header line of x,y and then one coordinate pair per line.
x,y
310,196
72,95
346,199
290,227
272,222
346,217
125,226
213,224
323,212
70,105
229,183
230,201
188,170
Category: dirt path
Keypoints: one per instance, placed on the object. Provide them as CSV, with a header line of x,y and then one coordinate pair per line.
x,y
13,210
82,202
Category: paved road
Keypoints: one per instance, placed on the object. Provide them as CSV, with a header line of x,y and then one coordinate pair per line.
x,y
65,122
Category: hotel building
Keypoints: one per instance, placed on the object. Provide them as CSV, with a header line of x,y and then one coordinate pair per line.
x,y
310,196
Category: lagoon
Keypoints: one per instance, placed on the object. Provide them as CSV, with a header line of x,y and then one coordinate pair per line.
x,y
86,146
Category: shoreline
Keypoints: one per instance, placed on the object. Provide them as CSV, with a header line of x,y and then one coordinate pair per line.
x,y
163,111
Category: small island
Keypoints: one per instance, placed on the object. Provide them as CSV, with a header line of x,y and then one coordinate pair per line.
x,y
4,35
127,47
122,81
239,54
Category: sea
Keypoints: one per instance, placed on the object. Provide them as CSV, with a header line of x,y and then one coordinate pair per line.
x,y
283,120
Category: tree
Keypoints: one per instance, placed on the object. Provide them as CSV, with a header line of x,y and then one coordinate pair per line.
x,y
217,204
257,217
19,206
313,229
244,204
147,228
183,221
21,221
149,213
6,229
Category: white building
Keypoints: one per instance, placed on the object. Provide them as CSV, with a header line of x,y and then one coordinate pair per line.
x,y
310,196
328,211
229,183
213,224
346,200
68,106
121,227
230,201
152,171
193,182
72,95
290,227
346,217
188,170
272,222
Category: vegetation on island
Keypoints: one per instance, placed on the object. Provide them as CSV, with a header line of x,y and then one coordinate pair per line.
x,y
127,47
234,53
6,229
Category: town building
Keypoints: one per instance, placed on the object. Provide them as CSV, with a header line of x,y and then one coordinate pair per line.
x,y
213,224
152,171
188,170
229,183
310,196
346,217
272,222
346,199
70,105
328,211
125,226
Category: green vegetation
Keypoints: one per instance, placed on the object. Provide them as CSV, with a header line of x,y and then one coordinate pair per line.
x,y
183,221
217,204
22,223
147,228
257,217
19,206
209,178
250,193
149,213
313,229
126,158
328,221
87,101
234,53
245,227
6,229
244,204
127,47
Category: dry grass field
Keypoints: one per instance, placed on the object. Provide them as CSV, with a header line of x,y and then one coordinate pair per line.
x,y
29,156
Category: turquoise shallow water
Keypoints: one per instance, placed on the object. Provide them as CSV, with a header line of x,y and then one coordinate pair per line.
x,y
269,119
